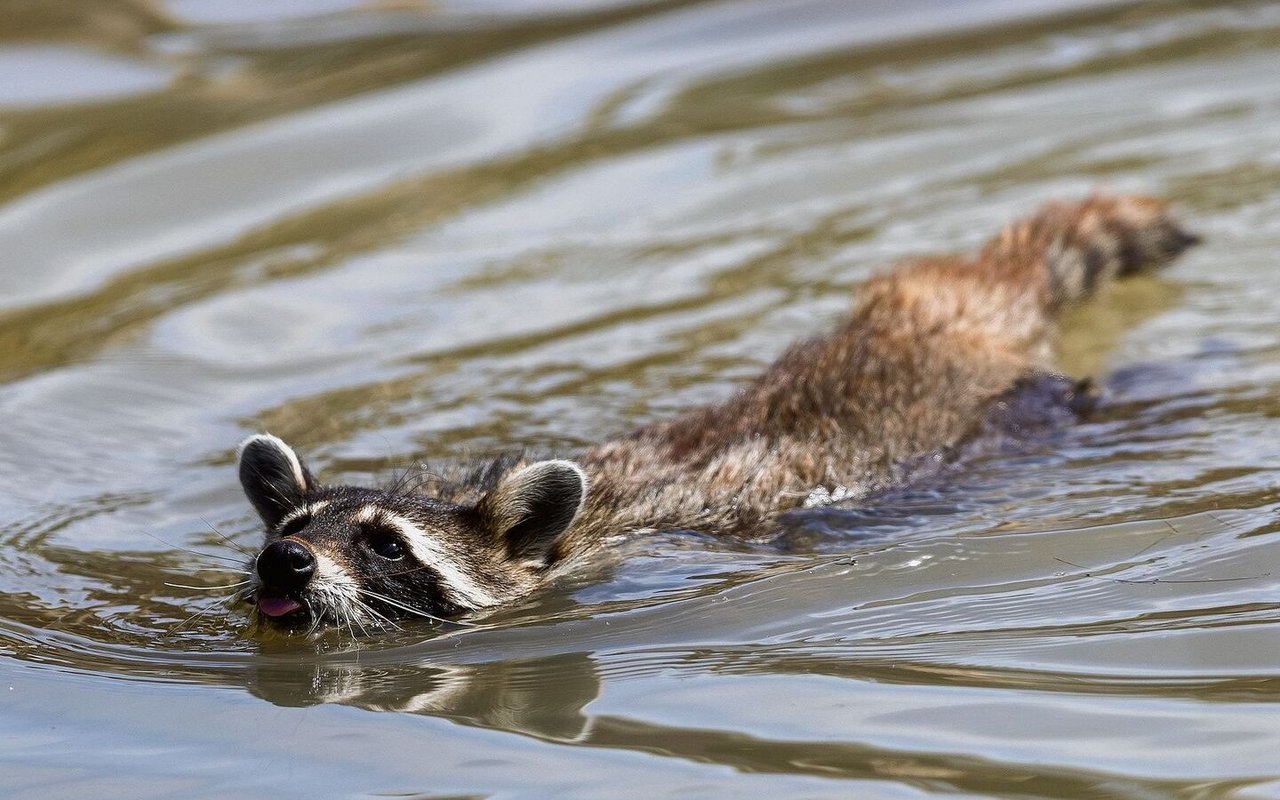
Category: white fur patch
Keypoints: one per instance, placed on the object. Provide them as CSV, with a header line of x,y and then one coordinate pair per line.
x,y
332,577
463,589
308,510
335,590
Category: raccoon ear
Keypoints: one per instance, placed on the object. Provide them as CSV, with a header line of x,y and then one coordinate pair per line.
x,y
274,478
533,506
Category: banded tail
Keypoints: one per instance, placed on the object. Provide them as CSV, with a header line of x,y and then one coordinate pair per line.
x,y
1084,245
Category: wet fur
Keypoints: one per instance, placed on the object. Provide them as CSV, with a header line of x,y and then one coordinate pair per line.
x,y
912,372
933,354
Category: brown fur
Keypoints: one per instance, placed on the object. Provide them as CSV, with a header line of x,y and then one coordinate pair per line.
x,y
936,354
910,373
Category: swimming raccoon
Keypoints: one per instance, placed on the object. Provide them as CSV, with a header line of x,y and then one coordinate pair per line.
x,y
933,353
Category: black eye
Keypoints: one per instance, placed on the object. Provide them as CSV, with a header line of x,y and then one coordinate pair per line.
x,y
296,524
387,546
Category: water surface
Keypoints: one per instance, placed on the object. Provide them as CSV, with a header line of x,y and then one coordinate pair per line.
x,y
403,232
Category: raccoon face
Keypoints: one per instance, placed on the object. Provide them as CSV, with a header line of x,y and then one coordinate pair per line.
x,y
361,558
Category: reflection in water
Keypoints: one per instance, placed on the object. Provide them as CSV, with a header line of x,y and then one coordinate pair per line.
x,y
413,232
542,697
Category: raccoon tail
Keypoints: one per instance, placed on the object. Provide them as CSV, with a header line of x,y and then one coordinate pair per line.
x,y
1081,246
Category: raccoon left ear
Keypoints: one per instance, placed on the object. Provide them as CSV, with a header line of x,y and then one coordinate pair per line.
x,y
533,506
274,478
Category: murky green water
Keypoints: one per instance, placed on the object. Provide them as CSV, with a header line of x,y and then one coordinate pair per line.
x,y
401,231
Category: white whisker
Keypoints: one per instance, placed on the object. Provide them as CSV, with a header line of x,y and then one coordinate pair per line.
x,y
224,586
416,611
315,619
209,607
228,559
226,539
379,619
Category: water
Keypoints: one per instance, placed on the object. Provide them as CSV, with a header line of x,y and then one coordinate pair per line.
x,y
401,232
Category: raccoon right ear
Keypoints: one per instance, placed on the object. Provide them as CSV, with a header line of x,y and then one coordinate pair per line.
x,y
531,507
274,478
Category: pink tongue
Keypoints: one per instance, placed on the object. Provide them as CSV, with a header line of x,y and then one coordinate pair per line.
x,y
278,606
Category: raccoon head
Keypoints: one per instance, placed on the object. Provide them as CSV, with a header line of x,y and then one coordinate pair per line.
x,y
364,557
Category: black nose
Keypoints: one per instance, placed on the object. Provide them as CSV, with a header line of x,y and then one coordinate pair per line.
x,y
286,564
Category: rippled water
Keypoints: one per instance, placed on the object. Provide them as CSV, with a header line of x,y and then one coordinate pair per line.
x,y
393,232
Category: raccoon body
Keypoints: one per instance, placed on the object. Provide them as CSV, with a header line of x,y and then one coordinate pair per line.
x,y
934,354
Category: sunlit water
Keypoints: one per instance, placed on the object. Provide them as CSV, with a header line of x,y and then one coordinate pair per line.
x,y
402,232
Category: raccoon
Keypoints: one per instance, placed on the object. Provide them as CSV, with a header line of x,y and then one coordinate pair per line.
x,y
932,356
